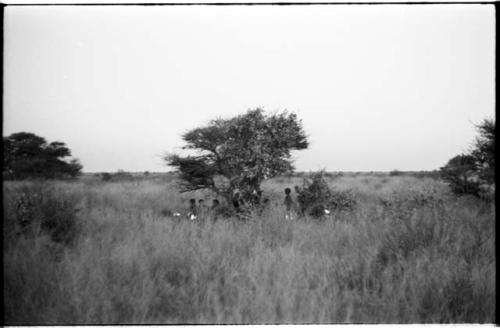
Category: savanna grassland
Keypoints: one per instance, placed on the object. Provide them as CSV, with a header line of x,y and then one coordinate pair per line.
x,y
409,252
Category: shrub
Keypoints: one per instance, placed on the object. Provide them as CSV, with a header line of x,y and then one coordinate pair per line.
x,y
315,196
395,173
42,207
59,218
461,174
122,175
105,176
342,200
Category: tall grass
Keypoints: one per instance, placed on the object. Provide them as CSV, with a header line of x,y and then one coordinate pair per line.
x,y
410,252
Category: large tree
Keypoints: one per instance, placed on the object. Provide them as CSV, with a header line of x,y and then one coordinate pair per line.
x,y
239,153
27,155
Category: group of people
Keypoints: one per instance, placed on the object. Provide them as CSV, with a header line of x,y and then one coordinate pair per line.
x,y
199,210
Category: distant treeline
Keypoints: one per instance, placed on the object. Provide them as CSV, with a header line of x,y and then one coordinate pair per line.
x,y
122,175
334,174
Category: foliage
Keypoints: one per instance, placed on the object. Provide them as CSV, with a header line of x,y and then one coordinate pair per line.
x,y
239,153
105,176
122,175
474,173
315,196
27,155
394,173
119,175
460,173
484,151
41,208
342,200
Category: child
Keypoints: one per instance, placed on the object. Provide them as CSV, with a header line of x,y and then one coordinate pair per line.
x,y
202,209
193,211
288,204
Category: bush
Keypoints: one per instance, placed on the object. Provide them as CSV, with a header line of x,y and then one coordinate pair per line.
x,y
461,174
105,176
315,197
395,173
39,208
341,200
121,175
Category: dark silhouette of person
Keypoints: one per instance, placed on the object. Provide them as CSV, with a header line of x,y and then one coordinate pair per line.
x,y
215,209
288,202
202,208
193,211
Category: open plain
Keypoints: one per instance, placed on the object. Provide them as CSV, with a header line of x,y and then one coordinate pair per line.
x,y
409,252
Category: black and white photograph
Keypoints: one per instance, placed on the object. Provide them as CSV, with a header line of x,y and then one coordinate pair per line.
x,y
249,163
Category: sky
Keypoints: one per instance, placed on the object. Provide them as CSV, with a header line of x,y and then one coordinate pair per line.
x,y
378,87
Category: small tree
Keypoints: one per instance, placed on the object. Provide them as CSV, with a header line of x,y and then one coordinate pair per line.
x,y
27,155
315,196
484,151
105,176
474,173
460,173
239,153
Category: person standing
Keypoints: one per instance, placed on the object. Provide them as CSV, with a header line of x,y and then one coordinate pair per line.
x,y
202,209
289,204
193,211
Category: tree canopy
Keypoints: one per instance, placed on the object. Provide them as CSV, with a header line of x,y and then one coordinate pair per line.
x,y
484,150
474,173
27,155
239,153
459,173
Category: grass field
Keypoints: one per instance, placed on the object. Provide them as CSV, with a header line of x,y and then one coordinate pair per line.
x,y
410,252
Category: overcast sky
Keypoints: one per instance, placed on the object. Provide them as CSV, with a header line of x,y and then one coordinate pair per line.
x,y
378,87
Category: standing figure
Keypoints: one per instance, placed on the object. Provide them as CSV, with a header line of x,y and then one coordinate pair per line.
x,y
288,202
202,209
215,209
193,211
